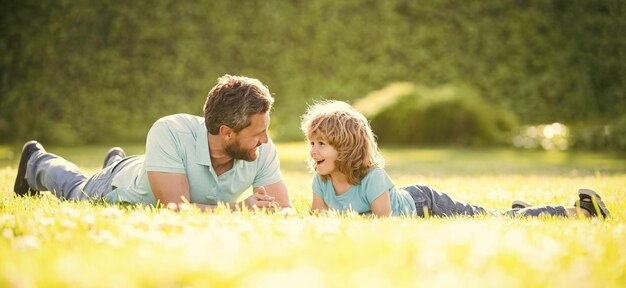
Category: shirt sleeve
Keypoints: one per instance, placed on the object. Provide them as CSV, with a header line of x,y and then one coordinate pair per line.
x,y
163,152
268,171
376,183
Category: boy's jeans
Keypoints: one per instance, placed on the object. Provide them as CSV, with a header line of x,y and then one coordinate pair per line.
x,y
440,204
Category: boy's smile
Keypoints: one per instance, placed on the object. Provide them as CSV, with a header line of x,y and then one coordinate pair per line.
x,y
323,154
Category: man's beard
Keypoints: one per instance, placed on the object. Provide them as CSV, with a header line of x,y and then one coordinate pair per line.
x,y
236,152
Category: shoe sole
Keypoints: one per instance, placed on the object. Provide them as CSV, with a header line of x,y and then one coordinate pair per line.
x,y
115,151
21,186
593,195
519,204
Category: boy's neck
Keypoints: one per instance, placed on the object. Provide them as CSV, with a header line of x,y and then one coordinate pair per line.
x,y
340,183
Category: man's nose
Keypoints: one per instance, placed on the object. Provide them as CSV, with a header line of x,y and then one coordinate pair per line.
x,y
265,138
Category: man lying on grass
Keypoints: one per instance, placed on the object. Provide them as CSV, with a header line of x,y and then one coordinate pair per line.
x,y
349,174
204,161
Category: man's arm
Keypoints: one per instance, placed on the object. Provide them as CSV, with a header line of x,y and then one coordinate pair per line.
x,y
169,187
174,187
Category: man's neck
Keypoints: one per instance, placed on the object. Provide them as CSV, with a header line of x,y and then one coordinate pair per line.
x,y
220,160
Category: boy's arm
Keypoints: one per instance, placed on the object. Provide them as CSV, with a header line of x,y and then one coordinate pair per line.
x,y
381,206
318,204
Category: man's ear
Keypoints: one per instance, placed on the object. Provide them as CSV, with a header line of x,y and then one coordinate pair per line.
x,y
226,132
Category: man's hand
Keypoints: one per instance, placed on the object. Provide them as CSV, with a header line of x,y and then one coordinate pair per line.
x,y
278,190
260,199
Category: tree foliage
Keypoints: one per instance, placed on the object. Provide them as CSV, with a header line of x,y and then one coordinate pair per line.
x,y
103,71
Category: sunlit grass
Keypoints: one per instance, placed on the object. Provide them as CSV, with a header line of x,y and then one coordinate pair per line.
x,y
47,242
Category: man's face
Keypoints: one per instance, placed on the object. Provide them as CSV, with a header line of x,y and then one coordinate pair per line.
x,y
245,143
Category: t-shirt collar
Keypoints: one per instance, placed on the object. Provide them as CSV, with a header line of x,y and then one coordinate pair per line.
x,y
202,145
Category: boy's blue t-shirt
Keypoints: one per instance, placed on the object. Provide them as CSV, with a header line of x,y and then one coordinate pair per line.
x,y
360,196
179,144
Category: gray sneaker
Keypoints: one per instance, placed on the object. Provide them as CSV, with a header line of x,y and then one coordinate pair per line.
x,y
114,154
592,202
21,186
519,204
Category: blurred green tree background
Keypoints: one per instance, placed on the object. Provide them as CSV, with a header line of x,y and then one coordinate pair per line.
x,y
76,72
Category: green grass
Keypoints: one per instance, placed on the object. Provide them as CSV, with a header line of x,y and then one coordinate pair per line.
x,y
47,242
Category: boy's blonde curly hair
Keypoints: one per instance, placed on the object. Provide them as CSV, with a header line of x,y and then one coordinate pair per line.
x,y
349,132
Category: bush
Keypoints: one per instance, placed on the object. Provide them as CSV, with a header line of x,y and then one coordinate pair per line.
x,y
611,136
447,115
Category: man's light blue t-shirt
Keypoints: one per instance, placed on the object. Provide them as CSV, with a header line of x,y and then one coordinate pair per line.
x,y
360,196
179,144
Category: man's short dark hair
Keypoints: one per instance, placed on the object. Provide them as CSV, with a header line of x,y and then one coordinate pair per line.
x,y
233,100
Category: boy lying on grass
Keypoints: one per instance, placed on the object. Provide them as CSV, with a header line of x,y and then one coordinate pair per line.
x,y
349,174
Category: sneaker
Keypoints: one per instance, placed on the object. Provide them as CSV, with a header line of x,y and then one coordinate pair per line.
x,y
113,155
519,204
21,187
592,202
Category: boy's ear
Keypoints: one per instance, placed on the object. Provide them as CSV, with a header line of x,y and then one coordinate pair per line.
x,y
226,132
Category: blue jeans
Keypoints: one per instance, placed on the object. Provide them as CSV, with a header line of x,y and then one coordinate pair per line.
x,y
49,172
440,204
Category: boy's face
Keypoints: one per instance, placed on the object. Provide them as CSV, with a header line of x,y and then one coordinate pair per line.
x,y
323,155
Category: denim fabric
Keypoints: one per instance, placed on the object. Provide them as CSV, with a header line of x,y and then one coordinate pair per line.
x,y
440,204
49,172
113,160
537,211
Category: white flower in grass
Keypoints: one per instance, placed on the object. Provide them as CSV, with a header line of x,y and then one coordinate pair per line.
x,y
48,196
27,242
89,219
7,233
105,237
7,220
287,212
293,277
68,224
328,226
369,277
111,212
139,218
44,220
71,212
291,228
185,207
172,206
